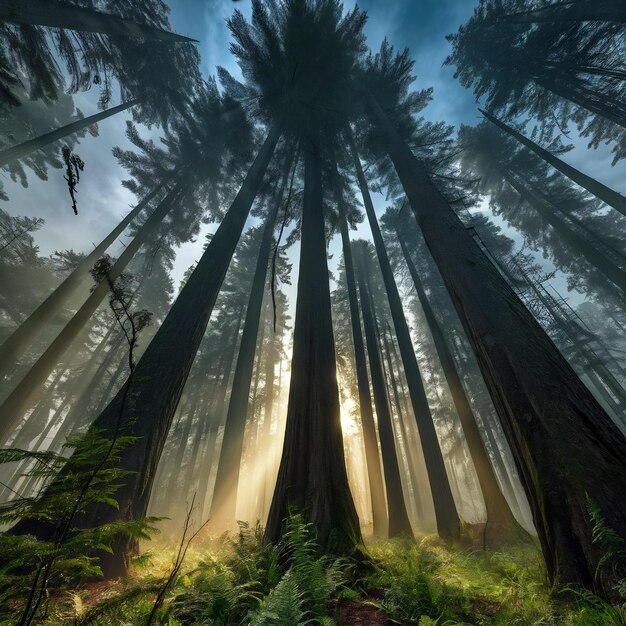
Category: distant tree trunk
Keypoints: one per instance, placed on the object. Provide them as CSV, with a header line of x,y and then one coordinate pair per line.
x,y
593,366
593,186
224,503
555,428
85,406
501,524
191,466
60,14
23,336
27,390
25,148
372,455
312,474
576,91
114,378
413,471
581,243
215,412
175,488
448,523
396,507
32,426
160,374
270,367
175,438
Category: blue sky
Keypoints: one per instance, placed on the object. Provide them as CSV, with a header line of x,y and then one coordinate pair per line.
x,y
420,25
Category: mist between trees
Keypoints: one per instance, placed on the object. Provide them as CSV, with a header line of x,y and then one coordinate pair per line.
x,y
459,368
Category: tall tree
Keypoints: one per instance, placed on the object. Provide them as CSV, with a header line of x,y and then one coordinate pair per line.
x,y
593,186
312,474
224,500
553,424
380,513
297,58
501,524
396,507
556,70
448,523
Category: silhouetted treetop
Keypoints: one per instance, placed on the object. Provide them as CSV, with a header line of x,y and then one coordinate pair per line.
x,y
298,57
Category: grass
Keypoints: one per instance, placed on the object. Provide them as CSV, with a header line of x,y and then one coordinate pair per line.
x,y
244,581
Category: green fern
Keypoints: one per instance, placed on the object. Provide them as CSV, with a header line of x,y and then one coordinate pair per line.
x,y
613,544
595,611
72,489
284,606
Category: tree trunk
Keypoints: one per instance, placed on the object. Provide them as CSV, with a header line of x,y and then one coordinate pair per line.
x,y
556,429
601,378
23,336
396,507
59,14
160,374
27,390
25,148
610,109
372,455
268,410
214,414
592,253
175,488
501,524
162,371
224,503
393,382
593,186
312,475
448,523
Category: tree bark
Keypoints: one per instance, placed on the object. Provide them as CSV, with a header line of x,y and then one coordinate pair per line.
x,y
501,524
25,148
372,455
159,376
448,523
27,390
404,434
59,14
312,476
399,523
593,186
224,503
23,336
215,412
565,446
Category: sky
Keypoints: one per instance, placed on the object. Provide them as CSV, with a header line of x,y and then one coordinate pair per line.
x,y
420,25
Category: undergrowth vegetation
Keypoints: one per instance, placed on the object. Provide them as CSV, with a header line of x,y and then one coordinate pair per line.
x,y
244,580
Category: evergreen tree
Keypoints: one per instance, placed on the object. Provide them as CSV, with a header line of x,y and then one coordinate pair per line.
x,y
568,66
574,430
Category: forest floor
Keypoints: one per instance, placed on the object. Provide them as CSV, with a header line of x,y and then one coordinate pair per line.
x,y
426,583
